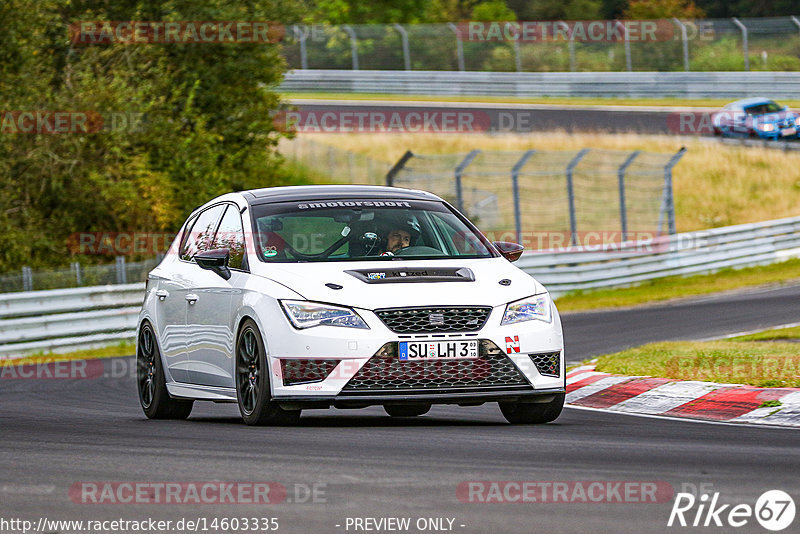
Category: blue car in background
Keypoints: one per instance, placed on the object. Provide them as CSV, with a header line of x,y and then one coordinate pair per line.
x,y
757,117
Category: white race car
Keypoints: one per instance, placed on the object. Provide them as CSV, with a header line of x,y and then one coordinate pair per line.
x,y
290,298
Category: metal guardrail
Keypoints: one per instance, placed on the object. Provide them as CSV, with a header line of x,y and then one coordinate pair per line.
x,y
65,319
731,85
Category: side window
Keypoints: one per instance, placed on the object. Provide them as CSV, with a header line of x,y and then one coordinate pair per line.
x,y
231,236
199,237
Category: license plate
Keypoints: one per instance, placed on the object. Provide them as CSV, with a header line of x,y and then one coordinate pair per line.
x,y
788,131
438,350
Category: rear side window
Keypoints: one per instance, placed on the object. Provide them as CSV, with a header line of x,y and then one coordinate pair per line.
x,y
200,233
230,235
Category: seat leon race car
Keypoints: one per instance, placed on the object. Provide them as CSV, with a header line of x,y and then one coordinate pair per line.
x,y
292,298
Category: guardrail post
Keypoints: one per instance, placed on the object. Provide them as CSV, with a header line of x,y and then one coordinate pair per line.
x,y
628,65
623,210
573,224
667,203
121,274
570,45
27,279
353,44
685,41
302,35
459,45
397,167
515,185
459,172
744,43
406,50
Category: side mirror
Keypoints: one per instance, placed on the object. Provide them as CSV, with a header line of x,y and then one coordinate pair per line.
x,y
215,260
510,251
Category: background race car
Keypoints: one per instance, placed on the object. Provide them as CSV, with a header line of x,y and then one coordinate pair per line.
x,y
757,117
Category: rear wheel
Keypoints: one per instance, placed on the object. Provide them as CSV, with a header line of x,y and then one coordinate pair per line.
x,y
151,382
252,381
407,410
529,413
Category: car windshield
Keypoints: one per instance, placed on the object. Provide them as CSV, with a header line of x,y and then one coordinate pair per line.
x,y
365,230
761,109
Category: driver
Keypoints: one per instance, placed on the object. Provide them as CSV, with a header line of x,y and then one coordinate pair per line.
x,y
396,239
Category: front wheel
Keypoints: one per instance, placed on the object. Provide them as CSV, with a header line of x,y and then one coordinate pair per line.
x,y
153,395
252,382
532,413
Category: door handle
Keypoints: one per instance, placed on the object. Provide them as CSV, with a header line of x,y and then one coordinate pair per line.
x,y
191,298
162,294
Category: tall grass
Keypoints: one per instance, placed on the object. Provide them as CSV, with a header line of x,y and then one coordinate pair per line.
x,y
715,185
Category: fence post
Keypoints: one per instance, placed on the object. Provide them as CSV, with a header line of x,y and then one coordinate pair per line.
x,y
517,56
459,45
515,185
796,22
744,43
458,174
628,65
121,275
331,161
623,210
351,156
570,45
397,167
406,50
573,225
302,35
668,189
685,41
27,279
75,267
353,44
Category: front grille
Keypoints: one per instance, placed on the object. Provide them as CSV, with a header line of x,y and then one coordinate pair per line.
x,y
301,371
432,320
385,373
548,364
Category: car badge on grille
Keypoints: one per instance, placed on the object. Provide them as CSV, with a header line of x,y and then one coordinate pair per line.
x,y
436,318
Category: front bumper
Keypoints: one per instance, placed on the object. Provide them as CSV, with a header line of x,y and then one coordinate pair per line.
x,y
354,349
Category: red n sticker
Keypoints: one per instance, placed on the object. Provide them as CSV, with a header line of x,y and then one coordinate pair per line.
x,y
512,344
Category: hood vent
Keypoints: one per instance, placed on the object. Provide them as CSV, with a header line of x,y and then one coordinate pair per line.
x,y
410,274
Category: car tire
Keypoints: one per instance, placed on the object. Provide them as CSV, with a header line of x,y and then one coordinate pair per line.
x,y
253,381
151,381
406,410
533,413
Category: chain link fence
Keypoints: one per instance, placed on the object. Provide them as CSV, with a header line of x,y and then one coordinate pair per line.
x,y
77,275
769,44
335,164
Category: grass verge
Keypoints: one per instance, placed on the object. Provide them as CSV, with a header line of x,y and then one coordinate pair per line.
x,y
123,348
546,100
673,287
733,361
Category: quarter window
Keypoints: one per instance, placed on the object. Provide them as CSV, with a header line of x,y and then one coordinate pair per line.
x,y
230,235
201,234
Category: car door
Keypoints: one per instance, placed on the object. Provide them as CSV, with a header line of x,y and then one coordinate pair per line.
x,y
185,279
209,317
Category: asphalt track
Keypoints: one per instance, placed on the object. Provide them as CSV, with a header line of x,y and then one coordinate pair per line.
x,y
56,433
514,118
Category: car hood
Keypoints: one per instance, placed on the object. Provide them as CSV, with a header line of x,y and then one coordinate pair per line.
x,y
389,284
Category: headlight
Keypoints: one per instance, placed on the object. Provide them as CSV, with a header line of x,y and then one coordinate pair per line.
x,y
767,127
797,121
528,309
304,314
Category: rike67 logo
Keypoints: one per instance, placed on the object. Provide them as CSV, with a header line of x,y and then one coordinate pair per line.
x,y
774,510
